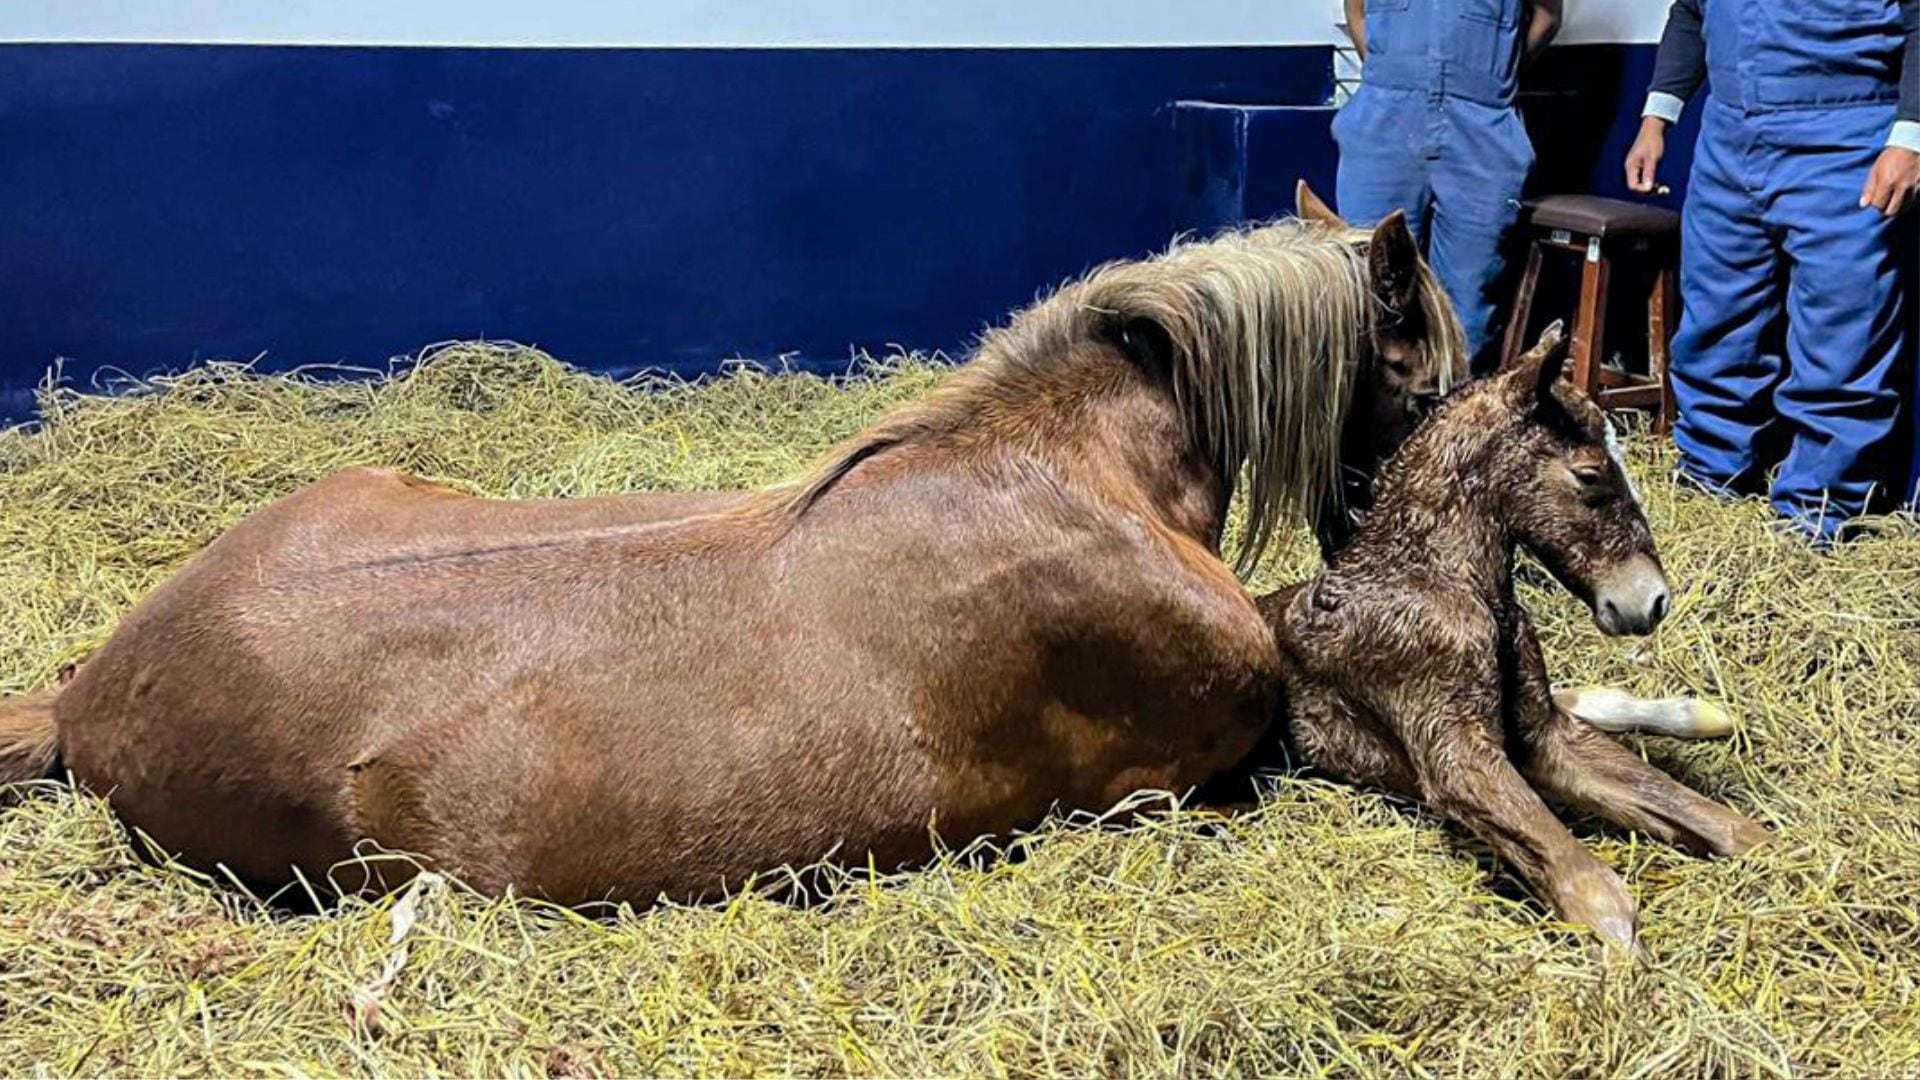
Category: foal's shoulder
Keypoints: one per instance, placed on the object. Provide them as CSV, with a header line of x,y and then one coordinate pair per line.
x,y
1348,621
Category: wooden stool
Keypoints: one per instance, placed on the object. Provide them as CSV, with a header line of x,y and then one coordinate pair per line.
x,y
1604,231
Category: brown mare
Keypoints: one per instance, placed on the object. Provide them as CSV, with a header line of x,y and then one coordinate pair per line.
x,y
1410,665
1002,598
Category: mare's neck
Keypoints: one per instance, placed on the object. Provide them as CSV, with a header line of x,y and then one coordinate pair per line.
x,y
1116,431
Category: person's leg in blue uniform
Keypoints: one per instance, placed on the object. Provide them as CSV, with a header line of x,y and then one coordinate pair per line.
x,y
1384,157
1476,183
1726,356
1846,328
1906,239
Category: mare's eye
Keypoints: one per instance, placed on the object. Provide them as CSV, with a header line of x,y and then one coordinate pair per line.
x,y
1593,480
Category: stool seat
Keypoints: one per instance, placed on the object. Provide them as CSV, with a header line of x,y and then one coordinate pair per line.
x,y
1593,215
1601,232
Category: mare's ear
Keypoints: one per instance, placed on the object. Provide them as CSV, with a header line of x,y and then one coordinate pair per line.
x,y
1308,207
1393,264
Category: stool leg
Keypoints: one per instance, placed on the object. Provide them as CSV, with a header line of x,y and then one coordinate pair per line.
x,y
1515,342
1662,305
1590,326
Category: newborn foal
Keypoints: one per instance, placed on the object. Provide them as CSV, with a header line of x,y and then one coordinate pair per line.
x,y
1410,665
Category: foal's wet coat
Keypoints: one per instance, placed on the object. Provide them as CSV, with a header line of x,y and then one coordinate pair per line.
x,y
1409,664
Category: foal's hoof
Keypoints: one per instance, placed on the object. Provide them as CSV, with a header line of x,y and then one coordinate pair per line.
x,y
1594,896
1619,940
1705,720
1712,829
1745,835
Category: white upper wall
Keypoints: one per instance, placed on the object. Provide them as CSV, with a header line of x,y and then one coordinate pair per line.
x,y
751,23
1607,21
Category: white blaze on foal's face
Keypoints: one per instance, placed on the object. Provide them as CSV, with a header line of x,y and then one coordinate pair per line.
x,y
1620,461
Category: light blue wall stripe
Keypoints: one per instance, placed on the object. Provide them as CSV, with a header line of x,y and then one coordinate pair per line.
x,y
737,23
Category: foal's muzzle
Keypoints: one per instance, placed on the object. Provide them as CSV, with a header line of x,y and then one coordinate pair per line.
x,y
1633,599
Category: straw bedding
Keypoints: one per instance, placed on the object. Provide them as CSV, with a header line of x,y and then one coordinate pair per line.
x,y
1328,931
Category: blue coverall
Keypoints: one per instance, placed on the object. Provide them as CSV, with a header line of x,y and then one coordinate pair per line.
x,y
1792,330
1432,131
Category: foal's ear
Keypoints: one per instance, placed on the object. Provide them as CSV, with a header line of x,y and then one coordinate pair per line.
x,y
1308,207
1550,356
1393,263
1546,345
1552,363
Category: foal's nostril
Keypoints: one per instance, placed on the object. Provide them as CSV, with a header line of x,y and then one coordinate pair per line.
x,y
1633,598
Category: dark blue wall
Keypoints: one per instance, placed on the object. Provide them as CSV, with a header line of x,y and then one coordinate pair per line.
x,y
623,208
1582,108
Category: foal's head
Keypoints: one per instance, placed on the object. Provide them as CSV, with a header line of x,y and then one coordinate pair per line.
x,y
1416,351
1551,471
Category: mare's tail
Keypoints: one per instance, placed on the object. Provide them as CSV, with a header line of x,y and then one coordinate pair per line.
x,y
28,750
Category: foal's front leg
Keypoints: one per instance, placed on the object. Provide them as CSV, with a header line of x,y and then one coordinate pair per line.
x,y
1464,774
1587,770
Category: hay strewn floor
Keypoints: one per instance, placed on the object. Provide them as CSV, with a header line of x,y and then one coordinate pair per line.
x,y
1332,931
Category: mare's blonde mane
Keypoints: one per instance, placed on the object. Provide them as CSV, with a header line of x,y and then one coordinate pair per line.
x,y
1267,328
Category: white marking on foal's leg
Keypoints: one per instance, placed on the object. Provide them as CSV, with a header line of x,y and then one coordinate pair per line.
x,y
1620,459
1615,710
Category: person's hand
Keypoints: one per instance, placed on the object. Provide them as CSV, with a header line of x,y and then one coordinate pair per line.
x,y
1644,159
1894,183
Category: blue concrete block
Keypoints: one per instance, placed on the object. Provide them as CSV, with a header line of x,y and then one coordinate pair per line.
x,y
1240,162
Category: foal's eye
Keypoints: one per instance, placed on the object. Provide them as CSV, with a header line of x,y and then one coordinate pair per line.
x,y
1593,481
